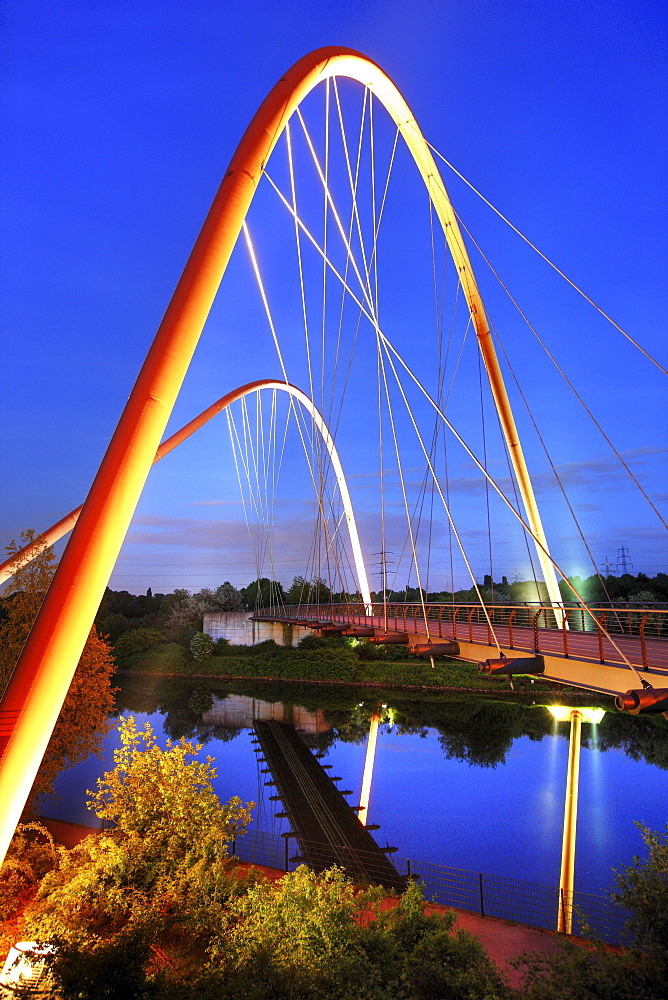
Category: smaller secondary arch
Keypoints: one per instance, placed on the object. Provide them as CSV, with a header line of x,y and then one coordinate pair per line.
x,y
65,524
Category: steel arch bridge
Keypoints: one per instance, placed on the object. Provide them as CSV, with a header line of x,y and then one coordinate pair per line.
x,y
38,687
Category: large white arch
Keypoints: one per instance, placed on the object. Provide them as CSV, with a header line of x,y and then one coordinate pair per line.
x,y
66,524
37,689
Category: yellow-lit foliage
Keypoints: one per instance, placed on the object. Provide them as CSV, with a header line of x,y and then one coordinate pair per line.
x,y
165,795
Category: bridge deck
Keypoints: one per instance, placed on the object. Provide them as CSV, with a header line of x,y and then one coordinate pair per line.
x,y
589,646
326,828
588,654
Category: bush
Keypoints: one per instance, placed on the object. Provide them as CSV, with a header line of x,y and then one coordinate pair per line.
x,y
201,646
31,854
643,888
315,936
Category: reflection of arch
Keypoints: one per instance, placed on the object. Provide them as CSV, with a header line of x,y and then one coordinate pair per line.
x,y
43,674
61,528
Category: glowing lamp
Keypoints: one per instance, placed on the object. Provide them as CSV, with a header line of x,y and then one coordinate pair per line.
x,y
25,967
564,713
643,701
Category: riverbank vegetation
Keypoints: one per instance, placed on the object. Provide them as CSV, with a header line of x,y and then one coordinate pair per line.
x,y
324,660
82,722
154,908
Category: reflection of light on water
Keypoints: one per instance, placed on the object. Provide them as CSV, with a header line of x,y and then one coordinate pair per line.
x,y
567,874
596,800
550,799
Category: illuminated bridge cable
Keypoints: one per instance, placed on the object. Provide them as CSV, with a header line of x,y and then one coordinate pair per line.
x,y
554,468
445,505
405,499
272,327
471,454
353,179
563,374
337,218
369,261
293,191
234,438
548,261
516,513
320,459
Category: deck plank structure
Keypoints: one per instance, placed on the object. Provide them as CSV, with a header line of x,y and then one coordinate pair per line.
x,y
325,827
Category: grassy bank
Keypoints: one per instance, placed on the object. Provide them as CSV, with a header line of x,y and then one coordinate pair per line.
x,y
336,663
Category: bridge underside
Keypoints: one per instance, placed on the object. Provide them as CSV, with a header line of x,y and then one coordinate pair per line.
x,y
581,659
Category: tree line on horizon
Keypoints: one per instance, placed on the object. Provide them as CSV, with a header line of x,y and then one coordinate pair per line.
x,y
155,609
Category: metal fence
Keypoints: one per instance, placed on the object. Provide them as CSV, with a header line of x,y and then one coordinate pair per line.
x,y
490,895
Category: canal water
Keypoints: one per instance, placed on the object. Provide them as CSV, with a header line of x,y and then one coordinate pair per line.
x,y
461,781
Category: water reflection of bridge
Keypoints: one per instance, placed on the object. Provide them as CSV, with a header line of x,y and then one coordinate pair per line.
x,y
239,711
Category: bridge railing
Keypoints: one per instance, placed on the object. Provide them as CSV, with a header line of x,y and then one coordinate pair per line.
x,y
490,895
471,623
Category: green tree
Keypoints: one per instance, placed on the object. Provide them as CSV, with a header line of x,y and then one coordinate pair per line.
x,y
643,888
229,598
184,619
154,885
298,591
262,593
114,625
136,641
164,795
304,592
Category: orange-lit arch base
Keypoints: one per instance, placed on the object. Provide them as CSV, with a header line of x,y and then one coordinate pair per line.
x,y
36,692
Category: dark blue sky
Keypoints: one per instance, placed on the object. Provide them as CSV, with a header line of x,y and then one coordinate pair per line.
x,y
118,121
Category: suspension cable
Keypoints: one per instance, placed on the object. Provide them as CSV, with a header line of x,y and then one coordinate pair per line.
x,y
563,374
405,499
548,261
447,509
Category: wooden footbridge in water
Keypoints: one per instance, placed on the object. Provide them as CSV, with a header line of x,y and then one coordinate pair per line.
x,y
325,827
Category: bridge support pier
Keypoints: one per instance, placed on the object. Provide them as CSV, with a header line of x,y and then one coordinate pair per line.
x,y
241,630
